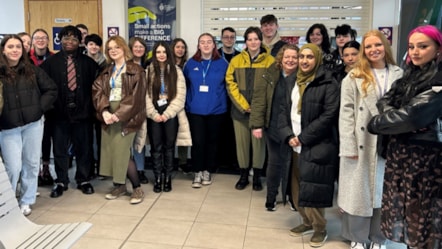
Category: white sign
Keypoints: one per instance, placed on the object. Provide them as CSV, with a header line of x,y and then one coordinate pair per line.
x,y
63,20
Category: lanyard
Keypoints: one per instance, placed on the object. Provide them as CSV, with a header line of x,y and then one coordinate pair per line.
x,y
381,91
117,74
205,70
163,87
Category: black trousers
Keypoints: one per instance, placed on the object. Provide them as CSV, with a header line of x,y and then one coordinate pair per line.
x,y
205,130
48,130
77,134
162,138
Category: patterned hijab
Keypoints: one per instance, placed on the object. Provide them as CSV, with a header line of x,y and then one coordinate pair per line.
x,y
306,77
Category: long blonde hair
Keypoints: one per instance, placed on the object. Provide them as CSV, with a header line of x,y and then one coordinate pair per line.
x,y
363,66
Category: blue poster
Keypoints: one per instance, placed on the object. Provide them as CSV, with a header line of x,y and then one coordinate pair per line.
x,y
152,20
56,39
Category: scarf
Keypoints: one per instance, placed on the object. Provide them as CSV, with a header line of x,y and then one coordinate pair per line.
x,y
303,78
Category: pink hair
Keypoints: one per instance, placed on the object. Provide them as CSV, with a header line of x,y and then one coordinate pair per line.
x,y
432,32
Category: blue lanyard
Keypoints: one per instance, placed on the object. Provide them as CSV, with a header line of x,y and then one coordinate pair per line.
x,y
117,74
205,70
163,86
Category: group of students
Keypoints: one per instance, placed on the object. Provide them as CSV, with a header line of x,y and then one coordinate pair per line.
x,y
350,115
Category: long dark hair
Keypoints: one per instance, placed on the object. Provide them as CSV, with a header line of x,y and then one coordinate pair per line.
x,y
325,44
24,66
186,52
170,73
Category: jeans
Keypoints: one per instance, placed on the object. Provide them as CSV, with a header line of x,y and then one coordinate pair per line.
x,y
21,148
139,158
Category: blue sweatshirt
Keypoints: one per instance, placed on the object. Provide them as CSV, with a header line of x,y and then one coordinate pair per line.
x,y
206,86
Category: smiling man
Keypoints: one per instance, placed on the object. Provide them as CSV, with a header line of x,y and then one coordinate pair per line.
x,y
74,74
271,38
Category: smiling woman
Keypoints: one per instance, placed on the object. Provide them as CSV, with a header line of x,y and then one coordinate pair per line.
x,y
28,92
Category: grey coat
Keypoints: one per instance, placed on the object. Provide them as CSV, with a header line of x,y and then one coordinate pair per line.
x,y
361,179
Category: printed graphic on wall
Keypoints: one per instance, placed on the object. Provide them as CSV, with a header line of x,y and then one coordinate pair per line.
x,y
56,39
152,20
388,32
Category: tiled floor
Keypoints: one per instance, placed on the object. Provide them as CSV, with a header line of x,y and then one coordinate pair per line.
x,y
215,216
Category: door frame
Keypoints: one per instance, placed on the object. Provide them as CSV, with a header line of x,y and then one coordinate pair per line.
x,y
99,9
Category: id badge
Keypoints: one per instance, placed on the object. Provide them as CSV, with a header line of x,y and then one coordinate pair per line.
x,y
162,102
112,97
204,88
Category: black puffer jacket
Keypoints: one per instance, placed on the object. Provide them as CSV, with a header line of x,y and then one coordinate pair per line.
x,y
319,154
25,101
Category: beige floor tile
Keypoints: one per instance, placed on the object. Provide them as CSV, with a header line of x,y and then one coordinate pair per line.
x,y
112,226
139,245
95,243
177,209
282,218
122,205
225,207
56,217
161,231
266,238
222,236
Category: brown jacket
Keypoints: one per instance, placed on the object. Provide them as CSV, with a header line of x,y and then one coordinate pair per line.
x,y
132,109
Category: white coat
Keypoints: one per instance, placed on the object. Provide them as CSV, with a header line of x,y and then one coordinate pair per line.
x,y
360,180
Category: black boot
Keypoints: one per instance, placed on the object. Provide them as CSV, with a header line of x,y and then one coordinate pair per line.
x,y
158,184
168,165
167,184
243,179
257,185
157,161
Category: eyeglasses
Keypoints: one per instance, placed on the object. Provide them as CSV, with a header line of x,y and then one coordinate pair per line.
x,y
68,38
229,37
40,38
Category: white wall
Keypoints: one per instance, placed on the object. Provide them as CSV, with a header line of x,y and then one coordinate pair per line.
x,y
12,18
385,13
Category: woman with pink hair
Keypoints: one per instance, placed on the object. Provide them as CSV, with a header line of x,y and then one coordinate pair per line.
x,y
411,116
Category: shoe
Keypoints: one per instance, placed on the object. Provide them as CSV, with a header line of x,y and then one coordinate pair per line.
x,y
207,178
158,185
377,246
197,182
167,187
143,178
86,188
291,203
301,230
37,194
137,196
257,185
318,239
184,168
58,190
357,245
271,206
26,210
116,192
243,179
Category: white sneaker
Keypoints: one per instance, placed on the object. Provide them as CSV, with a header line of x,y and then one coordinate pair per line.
x,y
197,180
207,178
377,246
26,210
356,245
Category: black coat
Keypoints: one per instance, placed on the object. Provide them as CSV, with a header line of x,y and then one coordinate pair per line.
x,y
25,101
87,70
319,138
